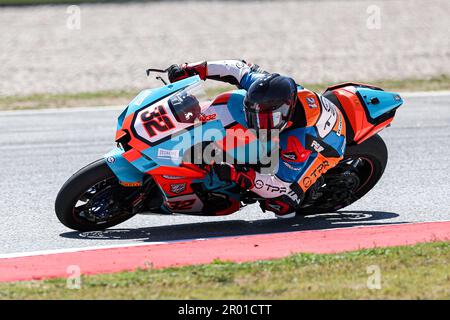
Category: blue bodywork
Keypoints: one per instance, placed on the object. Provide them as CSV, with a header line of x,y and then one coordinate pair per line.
x,y
379,102
134,172
376,102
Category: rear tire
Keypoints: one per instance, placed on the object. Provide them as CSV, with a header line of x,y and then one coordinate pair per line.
x,y
375,149
374,153
77,186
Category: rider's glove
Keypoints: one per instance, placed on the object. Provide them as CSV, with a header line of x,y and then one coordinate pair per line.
x,y
243,177
179,72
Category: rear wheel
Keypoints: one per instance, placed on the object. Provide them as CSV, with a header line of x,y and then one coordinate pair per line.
x,y
359,171
92,199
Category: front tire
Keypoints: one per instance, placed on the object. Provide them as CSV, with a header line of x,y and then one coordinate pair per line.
x,y
92,199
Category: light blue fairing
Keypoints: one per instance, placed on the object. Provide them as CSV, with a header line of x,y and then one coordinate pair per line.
x,y
134,172
124,170
379,102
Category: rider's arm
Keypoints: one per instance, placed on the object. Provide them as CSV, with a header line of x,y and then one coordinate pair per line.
x,y
235,72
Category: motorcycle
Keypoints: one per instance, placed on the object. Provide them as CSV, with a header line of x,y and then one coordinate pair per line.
x,y
151,169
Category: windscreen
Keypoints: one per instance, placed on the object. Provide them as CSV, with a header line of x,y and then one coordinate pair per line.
x,y
188,104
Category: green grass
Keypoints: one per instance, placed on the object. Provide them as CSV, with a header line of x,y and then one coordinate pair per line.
x,y
119,97
413,272
40,2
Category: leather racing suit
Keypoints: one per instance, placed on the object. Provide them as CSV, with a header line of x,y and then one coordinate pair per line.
x,y
313,142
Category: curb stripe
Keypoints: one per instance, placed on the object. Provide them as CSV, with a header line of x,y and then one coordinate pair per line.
x,y
237,249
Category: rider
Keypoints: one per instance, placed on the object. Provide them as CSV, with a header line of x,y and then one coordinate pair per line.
x,y
313,139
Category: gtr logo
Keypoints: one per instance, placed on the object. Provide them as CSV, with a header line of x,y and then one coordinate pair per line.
x,y
156,121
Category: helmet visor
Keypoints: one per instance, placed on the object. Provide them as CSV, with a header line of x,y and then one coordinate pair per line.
x,y
276,118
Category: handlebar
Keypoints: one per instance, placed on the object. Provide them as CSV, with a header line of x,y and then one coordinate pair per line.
x,y
156,70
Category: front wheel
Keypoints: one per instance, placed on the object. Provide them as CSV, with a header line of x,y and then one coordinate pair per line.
x,y
354,176
92,199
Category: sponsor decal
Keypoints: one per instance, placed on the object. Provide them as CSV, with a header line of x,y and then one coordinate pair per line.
x,y
172,177
328,118
290,156
177,187
339,129
207,117
311,102
315,174
291,166
307,182
316,146
130,184
272,189
110,159
168,154
259,184
181,205
188,115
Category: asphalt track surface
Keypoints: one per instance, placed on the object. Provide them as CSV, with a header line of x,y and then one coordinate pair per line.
x,y
41,149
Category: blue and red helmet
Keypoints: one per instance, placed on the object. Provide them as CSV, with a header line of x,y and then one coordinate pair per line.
x,y
270,102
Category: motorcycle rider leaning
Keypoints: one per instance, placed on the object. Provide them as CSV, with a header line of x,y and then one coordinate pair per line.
x,y
313,139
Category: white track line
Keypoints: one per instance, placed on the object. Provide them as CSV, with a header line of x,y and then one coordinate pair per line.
x,y
63,110
419,94
69,250
425,94
113,246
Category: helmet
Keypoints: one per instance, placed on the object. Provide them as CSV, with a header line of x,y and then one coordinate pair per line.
x,y
270,102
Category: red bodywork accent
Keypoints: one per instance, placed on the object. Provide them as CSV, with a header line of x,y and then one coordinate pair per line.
x,y
222,98
235,206
236,136
120,134
167,185
134,142
356,114
347,84
190,171
131,155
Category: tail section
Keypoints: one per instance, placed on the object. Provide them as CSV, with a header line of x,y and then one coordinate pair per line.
x,y
367,109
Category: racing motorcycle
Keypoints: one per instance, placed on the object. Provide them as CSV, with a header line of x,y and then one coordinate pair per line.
x,y
152,172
